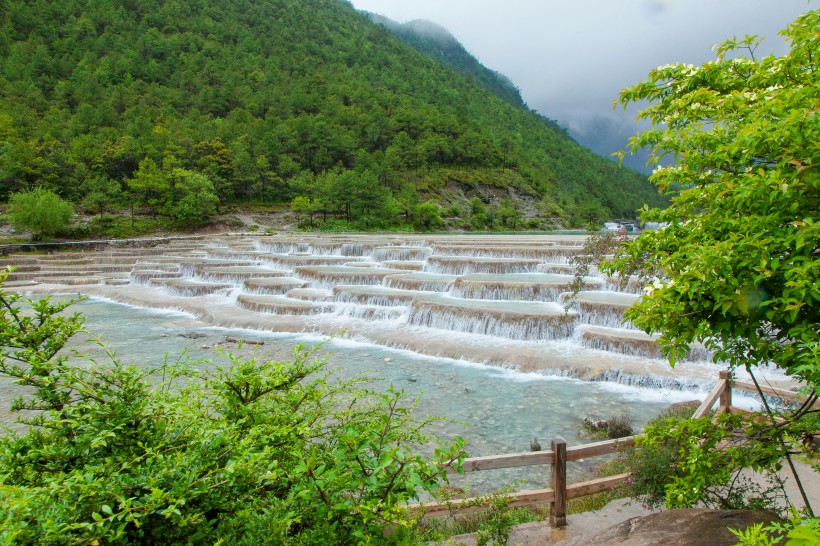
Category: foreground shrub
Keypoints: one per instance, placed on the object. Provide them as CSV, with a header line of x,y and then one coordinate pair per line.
x,y
258,452
684,462
489,516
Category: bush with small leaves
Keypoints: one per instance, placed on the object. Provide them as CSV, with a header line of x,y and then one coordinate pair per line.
x,y
257,452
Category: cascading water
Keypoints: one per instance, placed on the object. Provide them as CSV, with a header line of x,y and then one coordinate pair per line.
x,y
516,286
463,265
484,299
529,321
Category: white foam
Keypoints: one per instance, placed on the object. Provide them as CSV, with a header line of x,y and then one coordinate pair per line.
x,y
653,394
168,312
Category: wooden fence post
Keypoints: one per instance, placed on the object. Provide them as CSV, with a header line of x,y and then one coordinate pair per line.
x,y
558,507
726,395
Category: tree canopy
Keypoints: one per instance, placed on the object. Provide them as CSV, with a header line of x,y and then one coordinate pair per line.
x,y
735,264
737,257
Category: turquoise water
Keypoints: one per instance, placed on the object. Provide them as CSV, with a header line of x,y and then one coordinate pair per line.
x,y
498,410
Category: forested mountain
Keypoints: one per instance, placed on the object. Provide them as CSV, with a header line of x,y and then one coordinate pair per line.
x,y
435,40
145,102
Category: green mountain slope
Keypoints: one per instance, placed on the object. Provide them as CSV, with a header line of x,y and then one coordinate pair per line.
x,y
436,41
268,100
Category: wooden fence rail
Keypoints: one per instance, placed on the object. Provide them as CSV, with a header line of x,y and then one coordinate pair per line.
x,y
722,392
559,454
559,491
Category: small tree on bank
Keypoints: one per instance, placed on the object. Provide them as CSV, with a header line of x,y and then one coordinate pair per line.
x,y
40,211
736,266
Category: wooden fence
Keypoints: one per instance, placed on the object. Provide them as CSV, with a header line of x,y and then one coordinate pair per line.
x,y
722,392
559,455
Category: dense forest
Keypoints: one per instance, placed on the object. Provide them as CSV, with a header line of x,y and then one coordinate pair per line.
x,y
436,41
164,106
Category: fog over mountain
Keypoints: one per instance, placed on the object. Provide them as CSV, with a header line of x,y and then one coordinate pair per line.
x,y
570,59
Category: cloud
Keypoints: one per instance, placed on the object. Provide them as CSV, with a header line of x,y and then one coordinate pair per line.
x,y
657,7
571,59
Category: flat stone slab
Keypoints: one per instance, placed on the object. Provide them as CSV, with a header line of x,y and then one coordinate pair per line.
x,y
273,285
434,282
279,305
191,287
374,294
310,294
607,298
460,265
239,272
686,527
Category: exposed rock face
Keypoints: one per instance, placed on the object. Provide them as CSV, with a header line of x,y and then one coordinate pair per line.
x,y
687,527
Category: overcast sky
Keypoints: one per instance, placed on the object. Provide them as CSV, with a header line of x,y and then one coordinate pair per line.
x,y
570,58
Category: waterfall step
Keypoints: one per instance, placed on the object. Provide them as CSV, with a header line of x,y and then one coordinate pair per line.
x,y
240,273
310,294
234,253
278,305
145,276
516,286
462,265
190,287
332,275
91,267
404,266
533,321
370,312
401,253
601,307
374,295
362,264
425,282
560,269
527,250
74,280
297,260
619,340
273,285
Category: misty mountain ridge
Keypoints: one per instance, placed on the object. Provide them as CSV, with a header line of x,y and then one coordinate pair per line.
x,y
602,135
436,41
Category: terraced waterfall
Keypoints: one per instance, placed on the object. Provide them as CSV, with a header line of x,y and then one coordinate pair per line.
x,y
462,301
496,300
